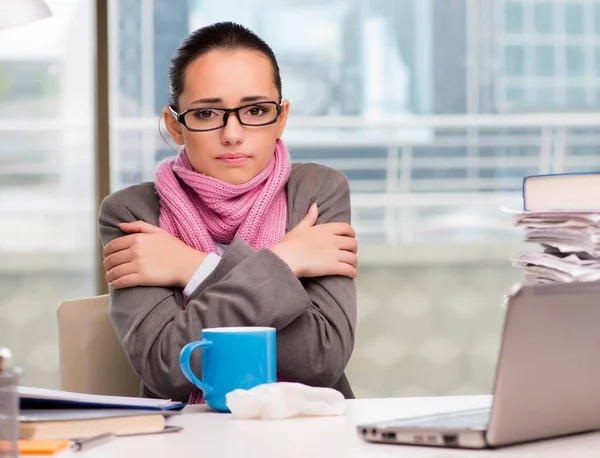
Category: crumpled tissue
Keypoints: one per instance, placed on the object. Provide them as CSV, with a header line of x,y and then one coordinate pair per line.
x,y
275,401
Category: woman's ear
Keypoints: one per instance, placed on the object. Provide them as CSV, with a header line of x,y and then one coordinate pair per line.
x,y
283,117
173,126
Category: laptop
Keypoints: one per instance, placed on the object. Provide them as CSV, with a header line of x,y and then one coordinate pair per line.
x,y
547,381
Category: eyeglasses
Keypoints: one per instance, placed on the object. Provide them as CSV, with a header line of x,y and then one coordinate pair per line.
x,y
206,119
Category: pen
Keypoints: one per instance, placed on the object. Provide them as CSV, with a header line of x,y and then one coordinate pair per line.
x,y
89,442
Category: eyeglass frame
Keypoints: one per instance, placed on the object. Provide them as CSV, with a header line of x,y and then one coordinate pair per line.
x,y
180,117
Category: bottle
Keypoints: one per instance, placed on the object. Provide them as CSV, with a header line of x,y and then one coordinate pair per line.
x,y
9,406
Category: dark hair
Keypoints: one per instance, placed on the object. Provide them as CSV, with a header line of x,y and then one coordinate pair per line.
x,y
222,35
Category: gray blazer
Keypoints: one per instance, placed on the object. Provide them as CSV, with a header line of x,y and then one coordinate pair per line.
x,y
315,318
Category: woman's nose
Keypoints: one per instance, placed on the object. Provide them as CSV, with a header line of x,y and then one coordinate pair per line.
x,y
233,132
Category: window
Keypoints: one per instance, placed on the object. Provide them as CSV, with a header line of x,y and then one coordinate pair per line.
x,y
574,19
545,97
513,17
47,227
514,61
515,95
555,50
544,61
576,97
544,17
575,60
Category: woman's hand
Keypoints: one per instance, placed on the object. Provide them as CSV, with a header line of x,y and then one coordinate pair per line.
x,y
149,256
324,249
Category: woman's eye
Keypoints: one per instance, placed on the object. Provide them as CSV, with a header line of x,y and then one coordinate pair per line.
x,y
255,111
204,114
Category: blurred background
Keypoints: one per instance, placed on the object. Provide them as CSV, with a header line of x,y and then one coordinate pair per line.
x,y
434,110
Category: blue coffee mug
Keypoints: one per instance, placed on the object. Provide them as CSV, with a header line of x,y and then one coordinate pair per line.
x,y
232,358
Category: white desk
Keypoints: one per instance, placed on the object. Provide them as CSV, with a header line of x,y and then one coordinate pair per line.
x,y
210,434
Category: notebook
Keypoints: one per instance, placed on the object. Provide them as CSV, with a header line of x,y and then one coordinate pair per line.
x,y
562,191
51,424
45,398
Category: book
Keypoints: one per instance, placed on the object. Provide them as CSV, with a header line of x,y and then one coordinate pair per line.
x,y
46,398
562,191
55,424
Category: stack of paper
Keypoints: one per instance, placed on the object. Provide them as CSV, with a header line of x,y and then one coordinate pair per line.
x,y
570,242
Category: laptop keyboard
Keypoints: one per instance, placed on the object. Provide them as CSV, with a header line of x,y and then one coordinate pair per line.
x,y
470,419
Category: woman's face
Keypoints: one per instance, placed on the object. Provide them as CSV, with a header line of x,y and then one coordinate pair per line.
x,y
235,153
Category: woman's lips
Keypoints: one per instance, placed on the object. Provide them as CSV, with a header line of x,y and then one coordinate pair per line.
x,y
234,158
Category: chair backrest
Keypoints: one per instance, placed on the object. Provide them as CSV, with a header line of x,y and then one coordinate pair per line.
x,y
91,357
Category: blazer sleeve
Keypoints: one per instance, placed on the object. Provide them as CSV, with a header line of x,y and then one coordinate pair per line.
x,y
314,317
315,348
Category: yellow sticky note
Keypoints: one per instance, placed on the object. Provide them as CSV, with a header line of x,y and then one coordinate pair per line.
x,y
42,447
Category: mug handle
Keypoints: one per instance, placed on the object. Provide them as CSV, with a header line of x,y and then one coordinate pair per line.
x,y
184,362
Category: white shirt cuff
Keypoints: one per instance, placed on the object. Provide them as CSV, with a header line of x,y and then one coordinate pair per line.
x,y
208,265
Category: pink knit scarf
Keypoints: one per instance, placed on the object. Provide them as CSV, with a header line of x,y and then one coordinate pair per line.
x,y
201,210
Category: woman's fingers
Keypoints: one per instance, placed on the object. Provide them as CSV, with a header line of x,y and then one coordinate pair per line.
x,y
127,281
118,258
348,257
338,229
119,244
346,243
120,271
345,270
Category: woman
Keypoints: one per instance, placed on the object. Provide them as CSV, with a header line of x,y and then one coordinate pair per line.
x,y
230,233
